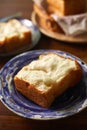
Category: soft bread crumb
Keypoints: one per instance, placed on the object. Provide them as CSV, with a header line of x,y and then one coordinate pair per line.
x,y
47,78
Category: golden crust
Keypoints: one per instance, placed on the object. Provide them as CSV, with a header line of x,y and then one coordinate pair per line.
x,y
32,93
66,7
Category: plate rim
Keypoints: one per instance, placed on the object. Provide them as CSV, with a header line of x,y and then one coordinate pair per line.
x,y
25,53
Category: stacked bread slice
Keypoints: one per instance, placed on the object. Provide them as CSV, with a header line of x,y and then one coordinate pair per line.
x,y
66,7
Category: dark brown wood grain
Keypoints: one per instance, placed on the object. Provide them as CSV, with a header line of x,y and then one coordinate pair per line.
x,y
11,121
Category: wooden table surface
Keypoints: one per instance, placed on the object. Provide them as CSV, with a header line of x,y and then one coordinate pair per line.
x,y
11,121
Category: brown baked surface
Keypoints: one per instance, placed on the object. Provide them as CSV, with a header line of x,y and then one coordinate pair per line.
x,y
46,78
66,7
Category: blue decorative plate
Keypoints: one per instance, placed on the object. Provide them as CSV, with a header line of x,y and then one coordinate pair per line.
x,y
69,103
35,33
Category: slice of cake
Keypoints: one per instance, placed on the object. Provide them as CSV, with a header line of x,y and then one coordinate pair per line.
x,y
47,77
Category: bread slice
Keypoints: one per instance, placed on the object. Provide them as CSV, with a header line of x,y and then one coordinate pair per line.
x,y
66,7
13,36
46,78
